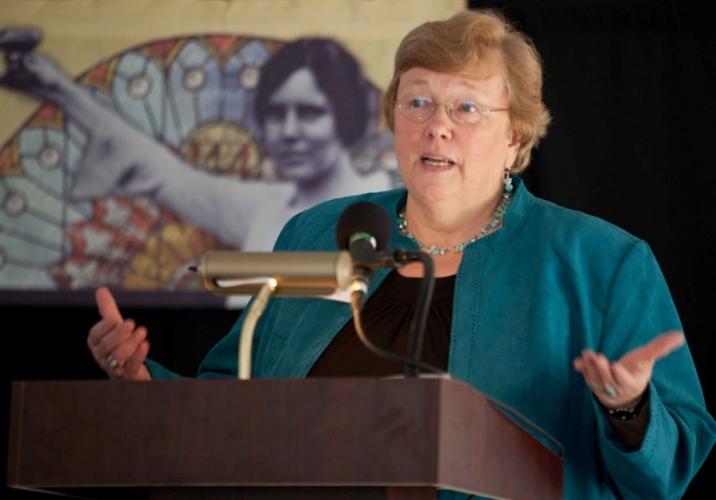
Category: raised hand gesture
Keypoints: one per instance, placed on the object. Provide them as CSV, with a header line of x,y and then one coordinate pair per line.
x,y
118,346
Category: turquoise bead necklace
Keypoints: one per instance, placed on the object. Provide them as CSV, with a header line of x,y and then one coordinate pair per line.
x,y
488,228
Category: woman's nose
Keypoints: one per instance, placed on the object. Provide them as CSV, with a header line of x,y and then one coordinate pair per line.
x,y
290,125
440,125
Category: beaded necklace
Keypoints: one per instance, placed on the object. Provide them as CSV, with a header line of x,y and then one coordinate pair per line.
x,y
488,228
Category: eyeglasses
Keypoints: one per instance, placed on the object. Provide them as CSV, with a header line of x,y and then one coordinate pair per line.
x,y
420,108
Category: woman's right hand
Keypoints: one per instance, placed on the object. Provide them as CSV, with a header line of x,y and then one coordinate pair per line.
x,y
118,346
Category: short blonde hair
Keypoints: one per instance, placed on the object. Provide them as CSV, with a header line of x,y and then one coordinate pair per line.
x,y
474,41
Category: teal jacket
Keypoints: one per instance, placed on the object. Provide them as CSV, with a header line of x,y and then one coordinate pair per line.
x,y
528,298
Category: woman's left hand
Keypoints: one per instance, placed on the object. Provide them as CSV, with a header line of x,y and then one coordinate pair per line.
x,y
620,384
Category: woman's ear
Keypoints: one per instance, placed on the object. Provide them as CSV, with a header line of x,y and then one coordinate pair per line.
x,y
513,137
513,144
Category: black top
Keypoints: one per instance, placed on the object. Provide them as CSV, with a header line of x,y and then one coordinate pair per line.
x,y
386,319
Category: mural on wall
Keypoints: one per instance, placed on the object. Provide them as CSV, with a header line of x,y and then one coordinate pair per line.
x,y
150,158
125,175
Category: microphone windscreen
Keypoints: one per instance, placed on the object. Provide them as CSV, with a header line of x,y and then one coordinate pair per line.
x,y
363,217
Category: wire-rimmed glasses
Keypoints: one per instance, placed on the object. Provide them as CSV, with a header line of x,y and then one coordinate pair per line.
x,y
420,108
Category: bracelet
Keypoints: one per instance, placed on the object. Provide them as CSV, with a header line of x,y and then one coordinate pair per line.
x,y
625,414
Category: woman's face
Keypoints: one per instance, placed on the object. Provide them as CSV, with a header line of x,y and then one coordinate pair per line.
x,y
300,129
441,160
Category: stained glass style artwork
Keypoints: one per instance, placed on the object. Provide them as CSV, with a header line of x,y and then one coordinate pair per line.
x,y
190,98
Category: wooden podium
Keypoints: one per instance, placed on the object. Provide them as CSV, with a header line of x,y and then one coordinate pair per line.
x,y
271,439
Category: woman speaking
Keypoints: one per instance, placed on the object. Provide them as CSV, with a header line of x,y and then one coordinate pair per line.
x,y
562,316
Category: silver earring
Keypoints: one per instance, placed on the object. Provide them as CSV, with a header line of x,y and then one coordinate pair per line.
x,y
507,181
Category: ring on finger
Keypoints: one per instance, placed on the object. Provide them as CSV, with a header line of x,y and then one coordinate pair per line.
x,y
610,391
112,363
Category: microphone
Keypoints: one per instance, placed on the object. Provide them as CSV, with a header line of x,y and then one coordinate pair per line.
x,y
297,274
363,226
364,230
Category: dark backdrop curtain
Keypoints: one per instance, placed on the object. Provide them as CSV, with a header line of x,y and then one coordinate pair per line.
x,y
629,85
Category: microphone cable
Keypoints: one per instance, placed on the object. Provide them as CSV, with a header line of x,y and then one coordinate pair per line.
x,y
417,325
356,298
420,316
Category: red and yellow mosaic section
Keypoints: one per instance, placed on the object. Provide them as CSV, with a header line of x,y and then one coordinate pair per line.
x,y
10,159
118,229
224,148
101,76
164,262
132,244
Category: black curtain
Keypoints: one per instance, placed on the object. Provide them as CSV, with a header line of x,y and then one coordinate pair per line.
x,y
629,88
